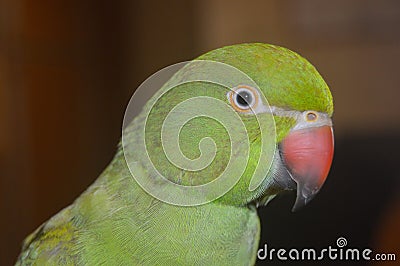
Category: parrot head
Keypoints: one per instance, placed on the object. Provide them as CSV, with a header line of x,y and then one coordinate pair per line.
x,y
289,93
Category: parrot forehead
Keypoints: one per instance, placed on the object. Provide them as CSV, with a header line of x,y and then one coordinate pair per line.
x,y
286,79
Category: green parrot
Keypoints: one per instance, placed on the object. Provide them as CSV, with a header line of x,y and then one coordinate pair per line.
x,y
131,216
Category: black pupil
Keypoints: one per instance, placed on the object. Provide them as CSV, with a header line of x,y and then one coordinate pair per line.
x,y
244,98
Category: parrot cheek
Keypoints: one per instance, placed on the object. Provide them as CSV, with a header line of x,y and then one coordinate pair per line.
x,y
308,155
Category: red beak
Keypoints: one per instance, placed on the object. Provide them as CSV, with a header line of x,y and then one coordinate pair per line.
x,y
308,155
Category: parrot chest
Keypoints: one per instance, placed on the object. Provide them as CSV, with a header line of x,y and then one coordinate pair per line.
x,y
171,235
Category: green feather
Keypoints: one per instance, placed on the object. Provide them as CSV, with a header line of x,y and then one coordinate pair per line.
x,y
286,79
115,222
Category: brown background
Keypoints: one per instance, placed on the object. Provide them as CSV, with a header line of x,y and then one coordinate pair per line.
x,y
68,69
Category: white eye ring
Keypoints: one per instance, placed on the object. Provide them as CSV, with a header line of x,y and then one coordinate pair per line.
x,y
243,98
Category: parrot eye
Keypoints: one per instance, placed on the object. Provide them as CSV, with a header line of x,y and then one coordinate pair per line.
x,y
311,116
243,98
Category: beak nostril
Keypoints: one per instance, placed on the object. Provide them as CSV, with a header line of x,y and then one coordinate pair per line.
x,y
311,116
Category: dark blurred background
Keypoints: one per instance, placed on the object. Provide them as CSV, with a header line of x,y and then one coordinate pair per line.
x,y
68,69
